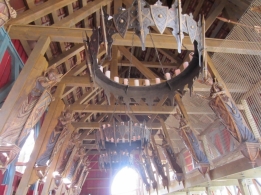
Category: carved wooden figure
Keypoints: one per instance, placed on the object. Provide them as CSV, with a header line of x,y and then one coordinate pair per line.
x,y
231,117
150,172
192,143
6,12
158,165
76,162
68,152
138,165
55,141
83,165
171,157
30,111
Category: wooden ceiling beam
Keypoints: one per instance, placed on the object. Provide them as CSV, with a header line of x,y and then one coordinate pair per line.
x,y
143,69
149,64
39,11
60,34
136,109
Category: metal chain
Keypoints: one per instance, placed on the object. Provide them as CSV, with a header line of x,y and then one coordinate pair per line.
x,y
157,53
131,57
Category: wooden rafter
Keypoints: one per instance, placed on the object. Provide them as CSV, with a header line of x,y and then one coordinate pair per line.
x,y
61,34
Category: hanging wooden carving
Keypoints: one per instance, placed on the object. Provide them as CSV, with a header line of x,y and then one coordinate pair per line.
x,y
158,165
150,172
6,12
171,157
31,109
138,165
54,144
76,162
231,117
81,168
66,159
29,113
192,143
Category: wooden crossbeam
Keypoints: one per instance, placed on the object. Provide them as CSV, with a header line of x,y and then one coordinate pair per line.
x,y
136,109
144,70
60,34
149,64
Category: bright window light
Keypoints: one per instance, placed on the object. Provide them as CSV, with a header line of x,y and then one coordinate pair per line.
x,y
25,152
126,182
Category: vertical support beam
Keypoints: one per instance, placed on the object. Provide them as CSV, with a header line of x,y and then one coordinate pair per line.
x,y
243,187
25,81
49,123
114,62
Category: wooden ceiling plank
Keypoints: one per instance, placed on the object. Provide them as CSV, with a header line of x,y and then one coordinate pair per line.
x,y
40,11
144,70
136,109
82,13
30,32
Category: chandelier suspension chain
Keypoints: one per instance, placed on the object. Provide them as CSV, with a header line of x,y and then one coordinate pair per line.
x,y
157,53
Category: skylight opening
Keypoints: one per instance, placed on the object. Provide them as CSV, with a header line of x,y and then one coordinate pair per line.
x,y
126,182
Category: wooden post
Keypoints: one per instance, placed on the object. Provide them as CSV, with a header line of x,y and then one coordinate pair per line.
x,y
243,187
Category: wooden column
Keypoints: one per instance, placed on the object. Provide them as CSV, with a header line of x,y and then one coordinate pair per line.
x,y
243,187
33,68
49,123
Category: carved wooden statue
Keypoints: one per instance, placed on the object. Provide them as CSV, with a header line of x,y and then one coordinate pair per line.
x,y
150,172
158,166
55,141
77,160
6,12
31,110
138,165
231,117
68,152
84,165
171,157
191,142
